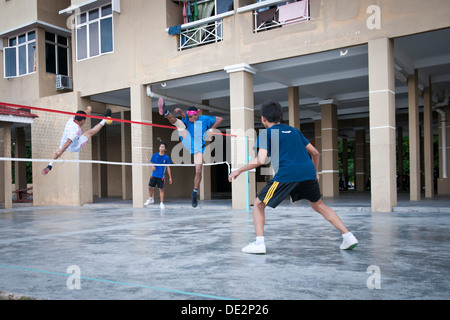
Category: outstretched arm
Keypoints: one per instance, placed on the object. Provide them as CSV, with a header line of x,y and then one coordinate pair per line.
x,y
254,163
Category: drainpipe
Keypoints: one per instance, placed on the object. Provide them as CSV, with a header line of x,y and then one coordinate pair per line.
x,y
444,132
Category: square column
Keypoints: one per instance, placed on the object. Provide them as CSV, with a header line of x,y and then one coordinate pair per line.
x,y
205,184
20,172
294,107
7,176
444,148
344,160
360,160
428,143
330,152
400,157
69,183
141,143
382,125
125,136
242,125
414,137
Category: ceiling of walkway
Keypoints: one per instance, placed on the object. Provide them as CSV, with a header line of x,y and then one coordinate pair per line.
x,y
339,75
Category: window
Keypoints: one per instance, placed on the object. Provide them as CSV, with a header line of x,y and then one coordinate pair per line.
x,y
56,54
20,55
94,32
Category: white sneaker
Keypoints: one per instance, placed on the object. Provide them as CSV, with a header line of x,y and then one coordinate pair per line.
x,y
149,201
161,205
255,248
349,241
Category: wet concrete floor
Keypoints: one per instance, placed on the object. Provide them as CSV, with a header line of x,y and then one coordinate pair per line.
x,y
111,252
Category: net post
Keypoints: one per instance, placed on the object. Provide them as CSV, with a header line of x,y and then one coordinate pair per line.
x,y
247,191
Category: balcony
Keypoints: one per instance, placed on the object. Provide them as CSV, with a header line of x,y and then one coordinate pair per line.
x,y
269,14
202,22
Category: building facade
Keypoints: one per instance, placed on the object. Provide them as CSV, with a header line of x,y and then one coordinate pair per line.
x,y
366,71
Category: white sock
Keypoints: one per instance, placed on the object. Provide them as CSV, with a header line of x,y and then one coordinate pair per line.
x,y
345,235
103,122
259,240
51,163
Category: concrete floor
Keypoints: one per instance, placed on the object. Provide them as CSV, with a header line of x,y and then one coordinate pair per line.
x,y
109,250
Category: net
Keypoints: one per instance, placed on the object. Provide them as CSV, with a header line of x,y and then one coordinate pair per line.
x,y
109,155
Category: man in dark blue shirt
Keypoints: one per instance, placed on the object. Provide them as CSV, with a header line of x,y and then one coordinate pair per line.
x,y
157,178
295,162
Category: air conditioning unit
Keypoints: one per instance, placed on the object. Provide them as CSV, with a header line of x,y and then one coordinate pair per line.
x,y
63,82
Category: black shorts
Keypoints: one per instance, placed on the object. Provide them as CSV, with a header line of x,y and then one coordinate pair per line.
x,y
274,192
156,181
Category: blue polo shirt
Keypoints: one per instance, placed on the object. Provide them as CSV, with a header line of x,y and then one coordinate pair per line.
x,y
195,140
286,148
160,170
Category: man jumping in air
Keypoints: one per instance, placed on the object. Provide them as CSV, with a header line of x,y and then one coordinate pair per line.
x,y
194,130
72,139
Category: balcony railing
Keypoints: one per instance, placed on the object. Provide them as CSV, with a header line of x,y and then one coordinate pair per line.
x,y
204,34
200,32
271,14
268,14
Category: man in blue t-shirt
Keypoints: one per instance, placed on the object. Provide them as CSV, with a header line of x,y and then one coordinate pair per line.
x,y
295,162
194,130
157,178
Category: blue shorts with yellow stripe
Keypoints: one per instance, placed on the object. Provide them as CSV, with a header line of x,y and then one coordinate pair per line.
x,y
274,192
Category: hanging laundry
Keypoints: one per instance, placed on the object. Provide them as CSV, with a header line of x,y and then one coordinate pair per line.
x,y
195,11
189,12
175,30
293,12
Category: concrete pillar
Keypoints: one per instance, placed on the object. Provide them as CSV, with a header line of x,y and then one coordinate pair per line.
x,y
414,137
367,171
330,152
141,143
125,136
103,168
382,125
205,184
428,143
345,162
400,157
20,151
7,176
294,107
318,145
360,160
444,182
2,164
242,125
70,183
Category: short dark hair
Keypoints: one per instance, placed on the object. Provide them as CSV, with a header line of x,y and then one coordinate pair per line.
x,y
163,143
271,110
193,108
79,118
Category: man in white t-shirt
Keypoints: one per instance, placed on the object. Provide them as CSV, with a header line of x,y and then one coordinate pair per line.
x,y
73,139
